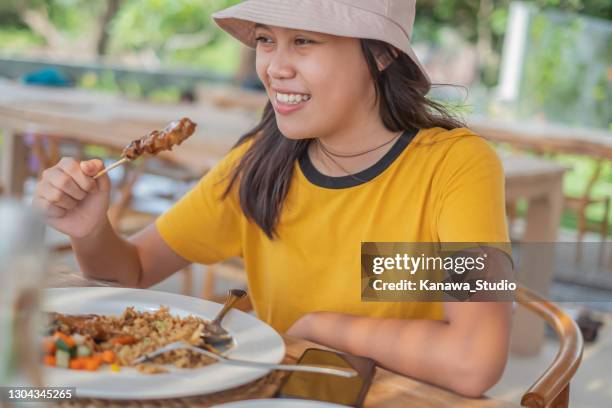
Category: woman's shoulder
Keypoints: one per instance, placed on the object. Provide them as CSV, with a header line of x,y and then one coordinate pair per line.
x,y
457,151
435,136
460,142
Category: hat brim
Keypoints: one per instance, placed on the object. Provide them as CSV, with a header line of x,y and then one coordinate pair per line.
x,y
328,17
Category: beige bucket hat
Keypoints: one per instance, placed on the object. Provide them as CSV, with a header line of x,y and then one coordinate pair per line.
x,y
390,21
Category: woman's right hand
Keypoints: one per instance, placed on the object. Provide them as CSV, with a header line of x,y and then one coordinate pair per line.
x,y
70,199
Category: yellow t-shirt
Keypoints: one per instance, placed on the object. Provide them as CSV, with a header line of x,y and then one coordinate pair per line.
x,y
432,186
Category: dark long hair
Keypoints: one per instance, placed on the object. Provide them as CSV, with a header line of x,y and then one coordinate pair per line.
x,y
265,171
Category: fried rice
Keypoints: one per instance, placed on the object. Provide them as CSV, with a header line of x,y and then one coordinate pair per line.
x,y
150,331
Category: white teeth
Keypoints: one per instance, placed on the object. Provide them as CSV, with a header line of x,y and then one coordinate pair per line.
x,y
292,99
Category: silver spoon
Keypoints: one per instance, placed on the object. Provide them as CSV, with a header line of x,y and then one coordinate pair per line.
x,y
215,334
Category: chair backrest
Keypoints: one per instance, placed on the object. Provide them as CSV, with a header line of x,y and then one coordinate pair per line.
x,y
552,388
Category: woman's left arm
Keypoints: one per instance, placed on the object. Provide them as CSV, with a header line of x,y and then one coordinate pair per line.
x,y
467,353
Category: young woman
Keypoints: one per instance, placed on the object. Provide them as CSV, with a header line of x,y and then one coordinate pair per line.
x,y
349,149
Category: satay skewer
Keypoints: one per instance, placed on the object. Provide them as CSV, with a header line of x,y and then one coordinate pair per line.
x,y
112,166
156,141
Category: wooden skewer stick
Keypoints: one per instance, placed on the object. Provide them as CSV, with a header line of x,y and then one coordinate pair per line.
x,y
112,166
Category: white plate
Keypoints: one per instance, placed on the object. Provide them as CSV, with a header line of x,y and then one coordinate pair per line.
x,y
279,403
255,341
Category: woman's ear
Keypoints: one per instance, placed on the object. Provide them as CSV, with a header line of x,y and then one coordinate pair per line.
x,y
384,54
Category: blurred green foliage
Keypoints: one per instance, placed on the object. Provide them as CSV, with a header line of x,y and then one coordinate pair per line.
x,y
566,76
181,32
177,31
485,21
71,17
18,39
151,34
166,32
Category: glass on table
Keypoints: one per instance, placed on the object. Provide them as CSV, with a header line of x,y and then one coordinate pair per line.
x,y
22,259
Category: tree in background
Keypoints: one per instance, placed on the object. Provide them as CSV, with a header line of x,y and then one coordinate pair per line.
x,y
133,31
168,31
63,26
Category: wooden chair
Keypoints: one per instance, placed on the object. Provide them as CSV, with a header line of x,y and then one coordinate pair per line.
x,y
553,387
580,204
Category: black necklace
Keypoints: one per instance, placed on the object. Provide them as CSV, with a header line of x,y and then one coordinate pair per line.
x,y
348,173
330,155
329,152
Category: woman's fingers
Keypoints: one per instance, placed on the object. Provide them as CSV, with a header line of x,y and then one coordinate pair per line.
x,y
49,210
57,197
93,167
65,183
73,169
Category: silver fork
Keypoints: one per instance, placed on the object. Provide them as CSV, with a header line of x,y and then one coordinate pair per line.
x,y
180,345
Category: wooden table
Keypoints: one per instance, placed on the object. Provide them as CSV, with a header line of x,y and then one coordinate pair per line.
x,y
388,389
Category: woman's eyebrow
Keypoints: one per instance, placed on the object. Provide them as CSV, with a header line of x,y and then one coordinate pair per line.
x,y
263,26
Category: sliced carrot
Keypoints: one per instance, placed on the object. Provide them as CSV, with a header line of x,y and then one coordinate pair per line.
x,y
98,357
127,339
91,364
49,360
108,356
77,364
67,339
48,344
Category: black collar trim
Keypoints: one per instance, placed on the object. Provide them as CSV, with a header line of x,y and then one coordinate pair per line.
x,y
316,177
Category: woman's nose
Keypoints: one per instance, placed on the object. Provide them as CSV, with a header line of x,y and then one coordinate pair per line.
x,y
280,65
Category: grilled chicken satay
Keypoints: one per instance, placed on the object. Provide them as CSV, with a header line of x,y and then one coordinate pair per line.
x,y
156,141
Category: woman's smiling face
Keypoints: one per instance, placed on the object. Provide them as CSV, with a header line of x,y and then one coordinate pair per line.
x,y
319,84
